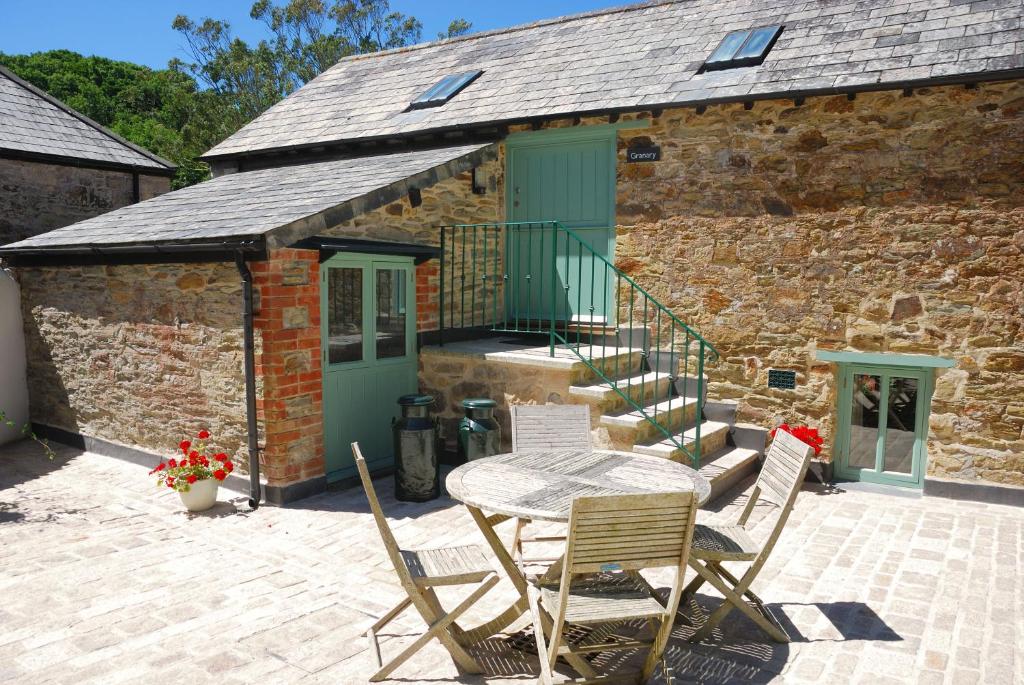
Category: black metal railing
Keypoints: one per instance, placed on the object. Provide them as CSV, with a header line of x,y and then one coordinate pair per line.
x,y
543,278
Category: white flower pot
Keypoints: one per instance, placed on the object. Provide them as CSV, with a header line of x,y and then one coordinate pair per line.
x,y
201,495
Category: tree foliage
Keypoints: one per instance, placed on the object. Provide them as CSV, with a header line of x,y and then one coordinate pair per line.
x,y
224,82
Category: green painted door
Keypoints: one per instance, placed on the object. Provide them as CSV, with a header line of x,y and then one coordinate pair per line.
x,y
565,176
368,324
883,424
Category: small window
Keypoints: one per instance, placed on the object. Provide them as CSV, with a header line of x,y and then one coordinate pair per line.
x,y
743,48
444,90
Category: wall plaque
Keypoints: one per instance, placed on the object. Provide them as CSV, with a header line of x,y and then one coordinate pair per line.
x,y
650,153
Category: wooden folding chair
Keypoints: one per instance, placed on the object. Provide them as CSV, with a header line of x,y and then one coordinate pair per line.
x,y
419,572
611,538
544,427
778,483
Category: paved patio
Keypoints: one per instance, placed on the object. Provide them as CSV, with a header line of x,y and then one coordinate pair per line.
x,y
105,579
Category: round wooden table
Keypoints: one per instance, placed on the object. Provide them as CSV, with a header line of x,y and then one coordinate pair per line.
x,y
541,486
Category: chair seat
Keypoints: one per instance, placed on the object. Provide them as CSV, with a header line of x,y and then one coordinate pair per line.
x,y
447,565
604,597
723,543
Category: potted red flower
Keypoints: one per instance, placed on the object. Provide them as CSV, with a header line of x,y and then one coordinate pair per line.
x,y
803,433
197,475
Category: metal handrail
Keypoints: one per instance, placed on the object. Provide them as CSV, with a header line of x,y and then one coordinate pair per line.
x,y
495,261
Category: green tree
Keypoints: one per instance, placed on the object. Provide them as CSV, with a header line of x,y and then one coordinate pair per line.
x,y
306,37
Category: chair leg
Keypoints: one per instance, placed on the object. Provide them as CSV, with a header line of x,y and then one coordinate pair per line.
x,y
546,676
517,539
387,618
438,629
733,600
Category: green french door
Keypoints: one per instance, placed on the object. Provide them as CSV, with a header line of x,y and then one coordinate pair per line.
x,y
883,424
368,329
566,176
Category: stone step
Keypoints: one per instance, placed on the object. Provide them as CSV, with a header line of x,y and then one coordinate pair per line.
x,y
644,389
610,360
713,436
728,466
631,428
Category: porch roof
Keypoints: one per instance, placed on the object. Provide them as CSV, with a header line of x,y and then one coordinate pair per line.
x,y
643,56
280,205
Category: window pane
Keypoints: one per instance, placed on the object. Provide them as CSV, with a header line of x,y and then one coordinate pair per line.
x,y
867,395
344,315
728,47
757,44
902,421
391,313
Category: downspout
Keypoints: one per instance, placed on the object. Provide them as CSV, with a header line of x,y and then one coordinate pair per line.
x,y
250,380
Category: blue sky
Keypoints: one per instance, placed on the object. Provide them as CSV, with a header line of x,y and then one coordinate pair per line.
x,y
140,30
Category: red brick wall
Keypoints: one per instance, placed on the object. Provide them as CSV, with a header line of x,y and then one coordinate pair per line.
x,y
288,364
427,296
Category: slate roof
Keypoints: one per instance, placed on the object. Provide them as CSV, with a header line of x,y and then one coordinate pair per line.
x,y
642,56
33,122
255,203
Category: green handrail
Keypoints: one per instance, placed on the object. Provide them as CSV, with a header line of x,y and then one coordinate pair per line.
x,y
519,284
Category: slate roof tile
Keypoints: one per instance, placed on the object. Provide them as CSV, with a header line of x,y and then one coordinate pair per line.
x,y
634,56
33,122
246,204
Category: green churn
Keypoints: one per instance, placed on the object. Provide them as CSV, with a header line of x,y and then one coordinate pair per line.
x,y
479,433
417,467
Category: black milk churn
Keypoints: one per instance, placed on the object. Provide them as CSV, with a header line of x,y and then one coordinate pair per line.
x,y
417,468
479,433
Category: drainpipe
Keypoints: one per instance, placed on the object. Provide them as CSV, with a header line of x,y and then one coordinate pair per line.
x,y
250,380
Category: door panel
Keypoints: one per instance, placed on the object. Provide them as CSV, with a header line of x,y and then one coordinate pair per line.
x,y
573,183
883,414
370,360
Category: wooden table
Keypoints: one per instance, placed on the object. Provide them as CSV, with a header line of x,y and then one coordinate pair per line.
x,y
541,486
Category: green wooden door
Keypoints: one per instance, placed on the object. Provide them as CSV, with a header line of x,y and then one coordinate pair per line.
x,y
883,424
569,177
368,324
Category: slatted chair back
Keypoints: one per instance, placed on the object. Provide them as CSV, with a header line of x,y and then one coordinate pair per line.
x,y
629,532
550,426
390,544
783,472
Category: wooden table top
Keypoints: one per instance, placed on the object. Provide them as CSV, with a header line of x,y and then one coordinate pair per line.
x,y
542,485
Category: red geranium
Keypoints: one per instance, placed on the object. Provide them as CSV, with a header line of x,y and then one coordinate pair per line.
x,y
803,433
194,465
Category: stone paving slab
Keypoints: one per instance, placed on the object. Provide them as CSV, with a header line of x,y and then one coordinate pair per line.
x,y
105,579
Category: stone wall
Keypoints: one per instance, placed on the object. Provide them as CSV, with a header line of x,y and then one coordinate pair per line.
x,y
140,355
37,197
884,223
446,203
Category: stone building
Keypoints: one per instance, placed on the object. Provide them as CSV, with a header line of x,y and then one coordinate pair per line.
x,y
56,167
701,218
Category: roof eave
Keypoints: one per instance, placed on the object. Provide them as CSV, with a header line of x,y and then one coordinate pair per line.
x,y
85,163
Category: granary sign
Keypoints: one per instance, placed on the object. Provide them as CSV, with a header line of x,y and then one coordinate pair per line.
x,y
647,153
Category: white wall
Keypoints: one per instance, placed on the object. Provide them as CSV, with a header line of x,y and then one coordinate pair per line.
x,y
13,386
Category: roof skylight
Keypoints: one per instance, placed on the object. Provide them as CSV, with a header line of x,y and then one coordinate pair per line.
x,y
444,90
743,48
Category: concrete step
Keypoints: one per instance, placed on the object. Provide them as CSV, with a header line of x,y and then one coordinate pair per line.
x,y
631,428
713,436
728,466
646,388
